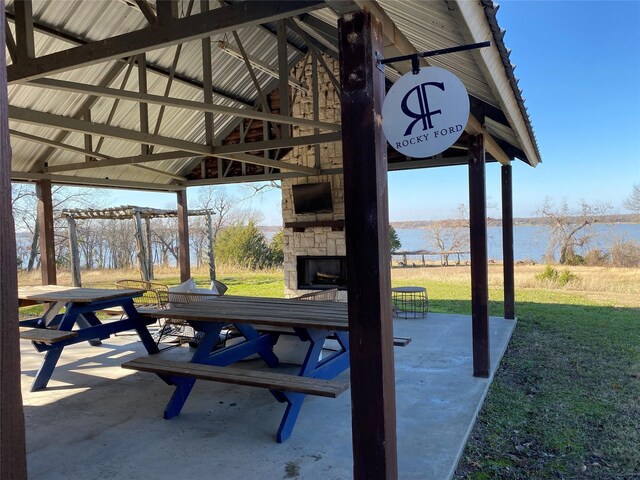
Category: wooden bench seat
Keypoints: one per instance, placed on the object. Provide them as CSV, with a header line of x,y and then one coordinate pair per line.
x,y
240,376
45,335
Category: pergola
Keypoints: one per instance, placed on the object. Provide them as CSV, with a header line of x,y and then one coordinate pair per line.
x,y
138,94
142,235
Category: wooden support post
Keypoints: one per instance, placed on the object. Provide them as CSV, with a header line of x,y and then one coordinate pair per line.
x,y
141,248
144,107
212,258
367,240
24,30
13,463
183,236
45,225
507,244
74,253
88,139
207,81
479,268
283,72
147,227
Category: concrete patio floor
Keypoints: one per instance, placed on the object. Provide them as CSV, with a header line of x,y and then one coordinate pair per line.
x,y
97,420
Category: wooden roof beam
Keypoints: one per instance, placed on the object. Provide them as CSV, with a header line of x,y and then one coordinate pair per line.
x,y
232,152
76,87
120,161
160,35
95,182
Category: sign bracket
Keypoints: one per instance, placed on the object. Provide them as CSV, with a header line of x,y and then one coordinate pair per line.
x,y
414,57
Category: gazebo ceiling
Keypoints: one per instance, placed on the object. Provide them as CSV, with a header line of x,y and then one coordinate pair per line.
x,y
127,105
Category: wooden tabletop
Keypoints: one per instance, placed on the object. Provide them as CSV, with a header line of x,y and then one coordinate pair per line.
x,y
59,293
257,311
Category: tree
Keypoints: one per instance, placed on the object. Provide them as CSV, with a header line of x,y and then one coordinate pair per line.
x,y
276,249
570,228
222,206
244,246
23,202
394,240
633,202
450,235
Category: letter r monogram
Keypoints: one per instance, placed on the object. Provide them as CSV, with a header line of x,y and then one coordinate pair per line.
x,y
424,114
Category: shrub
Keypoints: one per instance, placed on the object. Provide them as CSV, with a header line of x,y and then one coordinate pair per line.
x,y
596,257
625,254
549,274
552,275
565,277
574,259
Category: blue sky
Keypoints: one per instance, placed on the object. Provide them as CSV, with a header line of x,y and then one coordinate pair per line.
x,y
579,67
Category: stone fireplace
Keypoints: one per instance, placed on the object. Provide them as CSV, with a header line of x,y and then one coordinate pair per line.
x,y
314,243
321,273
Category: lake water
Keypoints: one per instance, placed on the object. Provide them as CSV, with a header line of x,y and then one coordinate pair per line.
x,y
529,242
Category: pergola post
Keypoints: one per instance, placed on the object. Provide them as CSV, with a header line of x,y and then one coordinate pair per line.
x,y
212,258
45,225
183,236
141,247
13,462
507,244
478,244
147,227
367,242
74,253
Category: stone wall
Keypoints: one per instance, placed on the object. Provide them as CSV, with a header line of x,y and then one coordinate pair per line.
x,y
321,241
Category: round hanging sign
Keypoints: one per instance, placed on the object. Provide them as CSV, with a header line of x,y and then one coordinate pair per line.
x,y
425,113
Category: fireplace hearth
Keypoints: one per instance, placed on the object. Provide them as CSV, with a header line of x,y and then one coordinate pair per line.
x,y
320,273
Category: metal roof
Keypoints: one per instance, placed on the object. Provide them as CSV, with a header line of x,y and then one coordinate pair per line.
x,y
61,24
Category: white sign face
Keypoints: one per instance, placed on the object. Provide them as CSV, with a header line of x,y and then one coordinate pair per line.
x,y
424,114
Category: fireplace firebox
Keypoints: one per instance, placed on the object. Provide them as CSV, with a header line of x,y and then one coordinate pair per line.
x,y
320,273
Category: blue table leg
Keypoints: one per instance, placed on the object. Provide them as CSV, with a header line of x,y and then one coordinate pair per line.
x,y
294,404
316,339
265,350
179,397
46,369
185,385
143,332
85,321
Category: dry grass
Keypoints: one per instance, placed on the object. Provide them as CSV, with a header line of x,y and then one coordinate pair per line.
x,y
615,286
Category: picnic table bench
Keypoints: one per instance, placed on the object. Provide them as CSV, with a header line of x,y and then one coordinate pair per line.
x,y
312,322
54,331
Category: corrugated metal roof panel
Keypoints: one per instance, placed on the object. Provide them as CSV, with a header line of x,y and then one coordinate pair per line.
x,y
428,25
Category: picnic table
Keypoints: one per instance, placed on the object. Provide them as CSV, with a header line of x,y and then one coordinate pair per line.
x,y
54,331
311,321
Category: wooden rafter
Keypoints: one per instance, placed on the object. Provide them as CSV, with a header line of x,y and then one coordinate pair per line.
x,y
67,86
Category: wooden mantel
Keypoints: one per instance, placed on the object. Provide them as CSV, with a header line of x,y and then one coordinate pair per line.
x,y
336,225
